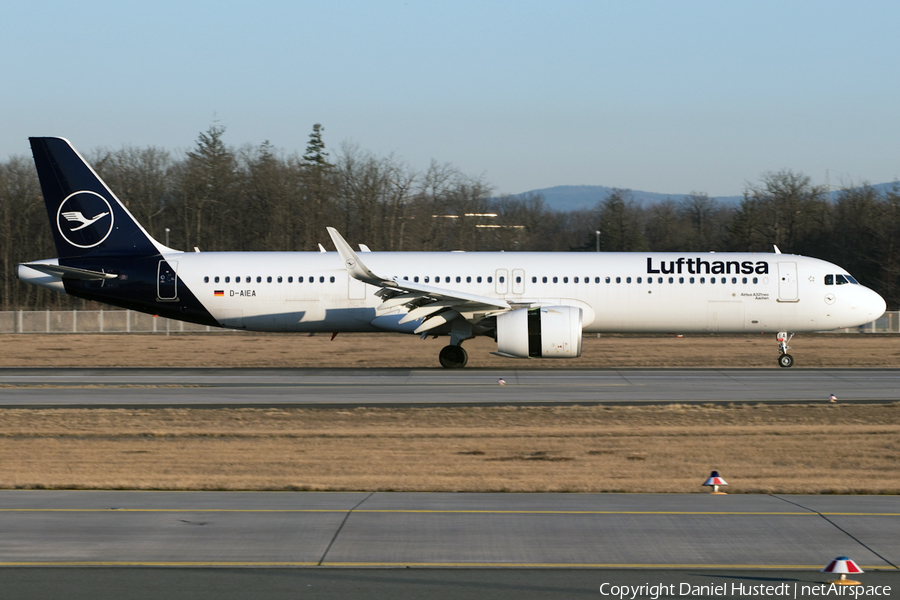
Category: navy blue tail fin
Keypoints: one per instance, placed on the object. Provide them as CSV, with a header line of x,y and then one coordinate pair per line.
x,y
86,218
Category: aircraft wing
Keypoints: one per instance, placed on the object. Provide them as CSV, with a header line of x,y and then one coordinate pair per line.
x,y
433,305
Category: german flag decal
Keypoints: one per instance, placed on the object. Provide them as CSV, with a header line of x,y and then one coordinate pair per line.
x,y
219,293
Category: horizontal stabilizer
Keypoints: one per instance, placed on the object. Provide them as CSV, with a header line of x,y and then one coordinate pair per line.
x,y
70,272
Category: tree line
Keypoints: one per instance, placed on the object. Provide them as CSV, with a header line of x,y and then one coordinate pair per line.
x,y
218,197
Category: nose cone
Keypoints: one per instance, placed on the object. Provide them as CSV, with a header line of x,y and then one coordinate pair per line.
x,y
874,305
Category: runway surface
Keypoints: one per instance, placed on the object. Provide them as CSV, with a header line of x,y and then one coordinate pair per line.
x,y
307,529
249,387
97,583
210,545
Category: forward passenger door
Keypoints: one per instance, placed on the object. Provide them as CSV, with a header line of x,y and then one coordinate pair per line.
x,y
787,282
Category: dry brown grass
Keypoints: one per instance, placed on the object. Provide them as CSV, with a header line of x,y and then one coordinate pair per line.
x,y
394,350
787,449
758,449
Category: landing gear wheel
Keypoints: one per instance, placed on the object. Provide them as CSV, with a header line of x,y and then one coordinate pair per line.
x,y
785,361
453,357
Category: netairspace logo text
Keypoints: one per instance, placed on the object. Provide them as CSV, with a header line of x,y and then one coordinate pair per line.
x,y
736,590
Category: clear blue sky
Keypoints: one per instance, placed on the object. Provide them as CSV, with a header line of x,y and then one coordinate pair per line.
x,y
658,96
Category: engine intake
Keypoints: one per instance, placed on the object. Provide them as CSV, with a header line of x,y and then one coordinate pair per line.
x,y
545,332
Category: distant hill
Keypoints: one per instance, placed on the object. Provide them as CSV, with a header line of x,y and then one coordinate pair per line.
x,y
580,197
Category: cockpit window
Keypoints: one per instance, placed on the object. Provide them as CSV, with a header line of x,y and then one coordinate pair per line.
x,y
839,279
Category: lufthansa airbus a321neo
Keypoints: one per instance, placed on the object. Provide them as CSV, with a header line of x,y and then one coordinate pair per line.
x,y
535,305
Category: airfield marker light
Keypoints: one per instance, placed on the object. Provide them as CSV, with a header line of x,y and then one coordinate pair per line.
x,y
501,381
832,398
714,482
843,565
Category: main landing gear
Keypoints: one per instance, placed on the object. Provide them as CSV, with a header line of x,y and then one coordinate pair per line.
x,y
453,357
785,360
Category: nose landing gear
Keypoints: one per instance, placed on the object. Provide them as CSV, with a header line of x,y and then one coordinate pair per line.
x,y
785,360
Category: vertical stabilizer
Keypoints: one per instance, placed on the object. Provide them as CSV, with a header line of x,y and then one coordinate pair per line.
x,y
86,218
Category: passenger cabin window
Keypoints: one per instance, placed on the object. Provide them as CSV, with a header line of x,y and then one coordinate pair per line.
x,y
555,280
490,279
258,279
544,279
217,279
279,279
534,280
478,279
618,280
206,279
269,279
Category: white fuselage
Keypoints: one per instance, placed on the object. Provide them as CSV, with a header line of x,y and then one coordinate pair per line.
x,y
618,292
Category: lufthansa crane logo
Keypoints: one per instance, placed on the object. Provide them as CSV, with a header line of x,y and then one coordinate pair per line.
x,y
84,219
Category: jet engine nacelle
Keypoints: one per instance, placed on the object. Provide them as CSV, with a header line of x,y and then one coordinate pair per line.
x,y
545,332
